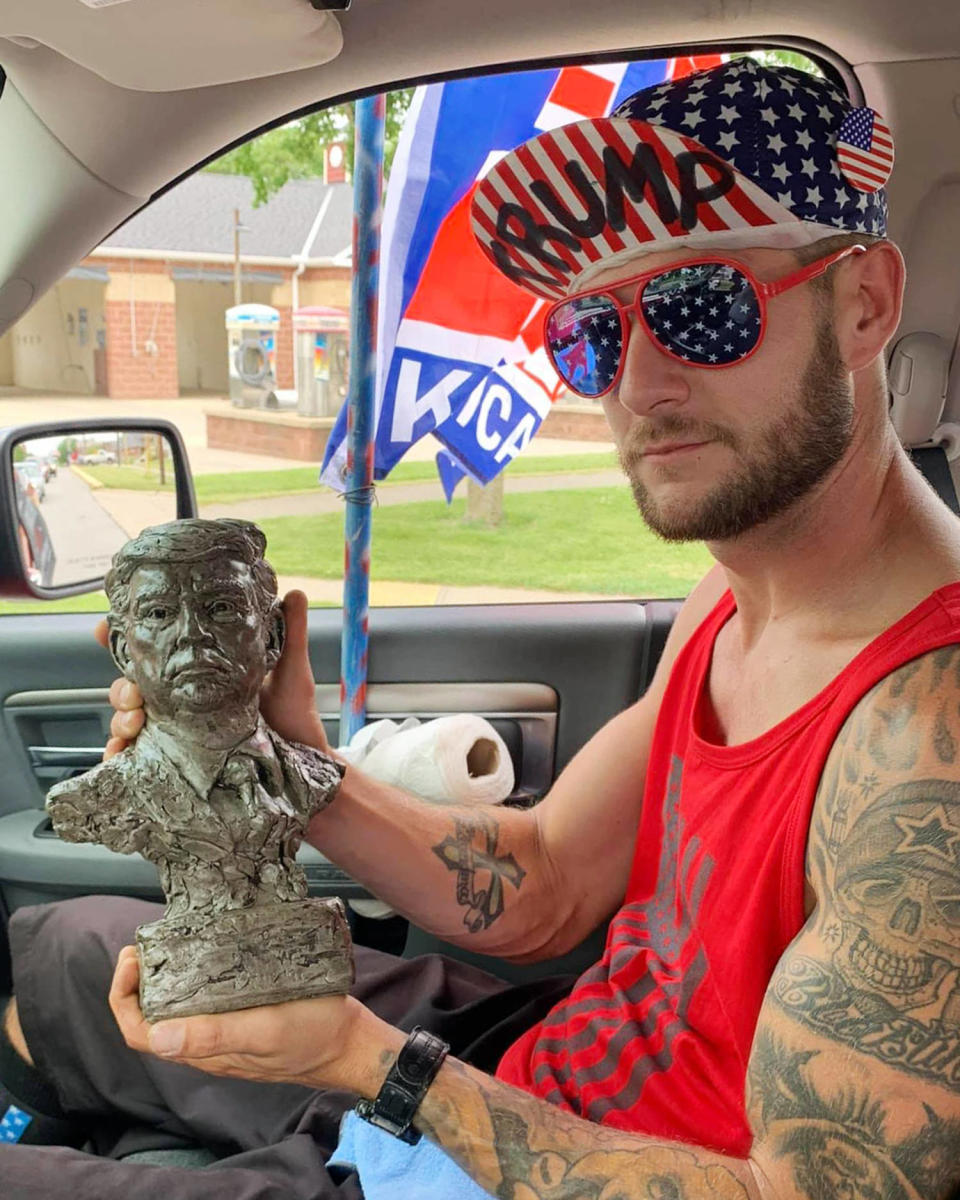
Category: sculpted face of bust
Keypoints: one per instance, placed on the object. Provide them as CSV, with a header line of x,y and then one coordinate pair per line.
x,y
195,623
196,636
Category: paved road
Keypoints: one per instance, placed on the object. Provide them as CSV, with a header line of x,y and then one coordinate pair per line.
x,y
84,536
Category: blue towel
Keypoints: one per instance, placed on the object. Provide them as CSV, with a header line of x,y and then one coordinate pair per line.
x,y
390,1169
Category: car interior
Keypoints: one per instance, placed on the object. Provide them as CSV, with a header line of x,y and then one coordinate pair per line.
x,y
104,108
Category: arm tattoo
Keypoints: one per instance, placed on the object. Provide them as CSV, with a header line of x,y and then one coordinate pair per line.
x,y
819,997
521,1148
890,917
884,859
472,853
839,1144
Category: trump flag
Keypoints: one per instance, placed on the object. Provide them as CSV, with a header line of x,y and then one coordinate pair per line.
x,y
460,351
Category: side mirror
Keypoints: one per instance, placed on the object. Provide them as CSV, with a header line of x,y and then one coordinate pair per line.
x,y
71,494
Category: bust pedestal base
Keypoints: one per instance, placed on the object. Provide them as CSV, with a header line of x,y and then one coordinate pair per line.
x,y
243,957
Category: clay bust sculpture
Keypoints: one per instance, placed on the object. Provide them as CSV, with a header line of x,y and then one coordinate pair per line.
x,y
208,792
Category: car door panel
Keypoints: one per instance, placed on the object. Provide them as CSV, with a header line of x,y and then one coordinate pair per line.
x,y
546,676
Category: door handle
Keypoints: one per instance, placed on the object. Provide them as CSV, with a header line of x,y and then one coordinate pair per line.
x,y
77,758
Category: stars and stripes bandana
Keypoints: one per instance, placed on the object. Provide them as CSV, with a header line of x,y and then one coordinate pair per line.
x,y
738,155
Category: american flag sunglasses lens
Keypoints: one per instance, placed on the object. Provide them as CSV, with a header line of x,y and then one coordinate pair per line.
x,y
584,337
707,314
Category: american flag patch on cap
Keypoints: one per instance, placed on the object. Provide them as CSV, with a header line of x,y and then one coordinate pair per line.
x,y
865,149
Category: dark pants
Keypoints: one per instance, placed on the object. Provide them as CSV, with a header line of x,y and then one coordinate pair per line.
x,y
274,1139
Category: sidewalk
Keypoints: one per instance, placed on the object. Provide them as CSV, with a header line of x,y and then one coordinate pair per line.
x,y
385,593
135,510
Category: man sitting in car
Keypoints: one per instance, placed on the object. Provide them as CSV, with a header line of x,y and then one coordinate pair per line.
x,y
772,831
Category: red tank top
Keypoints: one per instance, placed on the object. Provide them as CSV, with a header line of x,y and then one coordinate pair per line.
x,y
655,1037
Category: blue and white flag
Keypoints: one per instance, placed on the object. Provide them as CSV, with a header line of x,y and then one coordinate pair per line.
x,y
459,346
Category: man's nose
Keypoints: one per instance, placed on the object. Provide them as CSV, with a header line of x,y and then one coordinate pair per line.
x,y
190,626
651,379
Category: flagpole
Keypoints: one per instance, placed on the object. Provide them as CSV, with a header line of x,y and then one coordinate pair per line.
x,y
367,187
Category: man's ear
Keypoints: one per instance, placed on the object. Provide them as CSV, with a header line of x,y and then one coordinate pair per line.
x,y
868,296
119,651
276,635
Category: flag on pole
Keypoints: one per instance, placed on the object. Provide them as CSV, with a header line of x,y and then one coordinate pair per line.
x,y
460,346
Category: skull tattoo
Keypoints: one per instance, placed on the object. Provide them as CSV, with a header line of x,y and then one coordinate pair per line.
x,y
898,894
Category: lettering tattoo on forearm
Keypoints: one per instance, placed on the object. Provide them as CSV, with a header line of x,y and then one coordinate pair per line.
x,y
481,873
521,1148
840,1144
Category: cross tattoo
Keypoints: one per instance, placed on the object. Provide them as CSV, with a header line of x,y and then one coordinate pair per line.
x,y
459,853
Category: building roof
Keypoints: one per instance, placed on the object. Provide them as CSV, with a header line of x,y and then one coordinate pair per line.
x,y
197,217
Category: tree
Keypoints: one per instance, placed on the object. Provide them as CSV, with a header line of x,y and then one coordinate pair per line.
x,y
295,151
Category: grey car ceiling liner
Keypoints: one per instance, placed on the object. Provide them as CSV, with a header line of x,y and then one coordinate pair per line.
x,y
177,45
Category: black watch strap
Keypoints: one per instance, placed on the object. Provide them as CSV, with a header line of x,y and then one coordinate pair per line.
x,y
405,1086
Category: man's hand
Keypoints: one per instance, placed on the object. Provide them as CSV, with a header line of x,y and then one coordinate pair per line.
x,y
286,700
288,697
328,1041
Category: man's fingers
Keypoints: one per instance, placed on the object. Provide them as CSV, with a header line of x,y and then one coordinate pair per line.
x,y
248,1031
113,747
124,999
127,724
295,651
125,695
101,632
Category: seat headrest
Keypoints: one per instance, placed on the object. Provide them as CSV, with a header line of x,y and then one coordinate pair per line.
x,y
918,374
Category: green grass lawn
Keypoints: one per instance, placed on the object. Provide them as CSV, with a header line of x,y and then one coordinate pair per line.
x,y
586,540
589,540
223,488
233,486
135,479
90,602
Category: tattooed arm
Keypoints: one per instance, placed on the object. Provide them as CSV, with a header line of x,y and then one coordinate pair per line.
x,y
523,885
854,1077
520,1148
497,880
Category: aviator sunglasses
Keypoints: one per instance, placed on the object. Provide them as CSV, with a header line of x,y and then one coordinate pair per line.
x,y
708,312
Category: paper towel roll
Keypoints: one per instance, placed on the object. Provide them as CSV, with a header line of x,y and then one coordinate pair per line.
x,y
453,760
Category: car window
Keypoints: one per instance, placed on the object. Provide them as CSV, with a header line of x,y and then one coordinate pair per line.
x,y
224,306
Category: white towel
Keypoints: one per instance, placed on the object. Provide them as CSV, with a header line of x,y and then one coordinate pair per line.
x,y
453,760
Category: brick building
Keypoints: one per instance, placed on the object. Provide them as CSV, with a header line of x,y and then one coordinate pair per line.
x,y
143,315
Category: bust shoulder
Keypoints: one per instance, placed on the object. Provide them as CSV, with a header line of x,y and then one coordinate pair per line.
x,y
114,802
312,777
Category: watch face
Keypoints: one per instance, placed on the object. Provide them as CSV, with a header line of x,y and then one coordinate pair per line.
x,y
396,1104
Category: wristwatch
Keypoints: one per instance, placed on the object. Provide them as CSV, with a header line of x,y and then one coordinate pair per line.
x,y
405,1086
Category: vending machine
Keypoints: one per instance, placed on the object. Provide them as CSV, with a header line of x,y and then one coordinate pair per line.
x,y
252,348
322,339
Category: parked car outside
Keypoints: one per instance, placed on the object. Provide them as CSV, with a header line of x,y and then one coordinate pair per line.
x,y
34,471
97,458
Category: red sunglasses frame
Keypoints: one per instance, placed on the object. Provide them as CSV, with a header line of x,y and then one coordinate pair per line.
x,y
763,291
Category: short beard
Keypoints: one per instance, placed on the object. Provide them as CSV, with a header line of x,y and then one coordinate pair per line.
x,y
792,456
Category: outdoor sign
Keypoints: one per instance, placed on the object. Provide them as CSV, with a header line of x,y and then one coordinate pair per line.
x,y
459,345
335,163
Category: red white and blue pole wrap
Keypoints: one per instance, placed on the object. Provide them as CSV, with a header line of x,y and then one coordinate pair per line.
x,y
367,189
